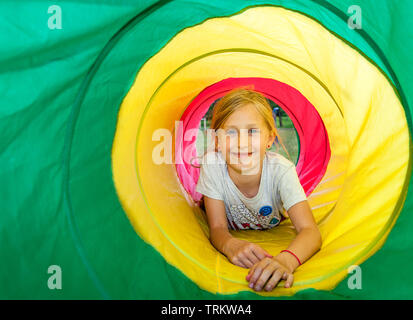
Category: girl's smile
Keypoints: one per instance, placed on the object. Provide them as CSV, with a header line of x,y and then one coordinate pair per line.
x,y
242,154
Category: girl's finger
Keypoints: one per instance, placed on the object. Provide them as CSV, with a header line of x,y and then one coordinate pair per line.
x,y
251,271
289,282
276,277
249,275
252,257
260,253
258,270
247,262
265,275
239,263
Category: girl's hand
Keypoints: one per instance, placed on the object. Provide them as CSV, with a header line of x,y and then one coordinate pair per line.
x,y
269,271
243,253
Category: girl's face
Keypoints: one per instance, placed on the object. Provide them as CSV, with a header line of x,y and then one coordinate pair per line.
x,y
243,140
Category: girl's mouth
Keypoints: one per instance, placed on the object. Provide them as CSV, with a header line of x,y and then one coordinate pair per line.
x,y
242,154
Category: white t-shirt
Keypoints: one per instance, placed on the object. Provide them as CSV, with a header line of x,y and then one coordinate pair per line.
x,y
279,189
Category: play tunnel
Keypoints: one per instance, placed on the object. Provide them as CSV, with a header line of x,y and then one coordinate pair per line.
x,y
81,189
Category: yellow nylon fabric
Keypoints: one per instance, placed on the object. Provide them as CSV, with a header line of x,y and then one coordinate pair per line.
x,y
354,204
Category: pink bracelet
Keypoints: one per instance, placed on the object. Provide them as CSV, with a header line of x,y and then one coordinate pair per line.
x,y
293,255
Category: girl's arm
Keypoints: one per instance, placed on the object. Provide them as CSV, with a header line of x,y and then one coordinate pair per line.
x,y
308,240
239,252
217,221
305,244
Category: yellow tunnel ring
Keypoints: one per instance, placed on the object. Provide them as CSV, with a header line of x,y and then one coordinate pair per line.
x,y
354,205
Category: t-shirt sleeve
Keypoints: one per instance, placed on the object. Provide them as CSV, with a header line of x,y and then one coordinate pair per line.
x,y
208,183
291,190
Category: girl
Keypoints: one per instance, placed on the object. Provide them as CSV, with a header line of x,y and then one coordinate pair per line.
x,y
245,186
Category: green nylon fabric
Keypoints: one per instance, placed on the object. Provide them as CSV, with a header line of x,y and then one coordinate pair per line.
x,y
61,92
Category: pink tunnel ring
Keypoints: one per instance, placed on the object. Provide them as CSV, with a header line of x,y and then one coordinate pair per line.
x,y
312,162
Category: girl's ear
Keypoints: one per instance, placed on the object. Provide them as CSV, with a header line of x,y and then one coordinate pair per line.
x,y
272,137
216,140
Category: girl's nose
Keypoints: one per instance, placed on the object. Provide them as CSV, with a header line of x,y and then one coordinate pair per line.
x,y
243,139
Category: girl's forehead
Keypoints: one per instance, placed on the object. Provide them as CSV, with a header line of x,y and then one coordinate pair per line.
x,y
245,116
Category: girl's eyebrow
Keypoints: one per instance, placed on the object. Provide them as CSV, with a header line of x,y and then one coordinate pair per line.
x,y
248,126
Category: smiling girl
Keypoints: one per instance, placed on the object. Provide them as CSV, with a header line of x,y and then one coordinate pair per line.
x,y
245,186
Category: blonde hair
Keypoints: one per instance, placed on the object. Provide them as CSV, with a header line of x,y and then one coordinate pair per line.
x,y
240,97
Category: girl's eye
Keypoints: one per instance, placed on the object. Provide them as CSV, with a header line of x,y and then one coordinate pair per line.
x,y
254,131
232,132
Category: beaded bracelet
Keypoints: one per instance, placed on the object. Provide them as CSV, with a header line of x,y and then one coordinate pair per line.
x,y
293,255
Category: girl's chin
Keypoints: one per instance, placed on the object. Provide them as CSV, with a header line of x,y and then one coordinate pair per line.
x,y
243,159
247,170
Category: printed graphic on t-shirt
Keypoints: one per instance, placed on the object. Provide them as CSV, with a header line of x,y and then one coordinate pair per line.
x,y
265,210
243,218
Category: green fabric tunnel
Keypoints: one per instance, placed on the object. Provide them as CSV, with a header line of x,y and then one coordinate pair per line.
x,y
62,89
